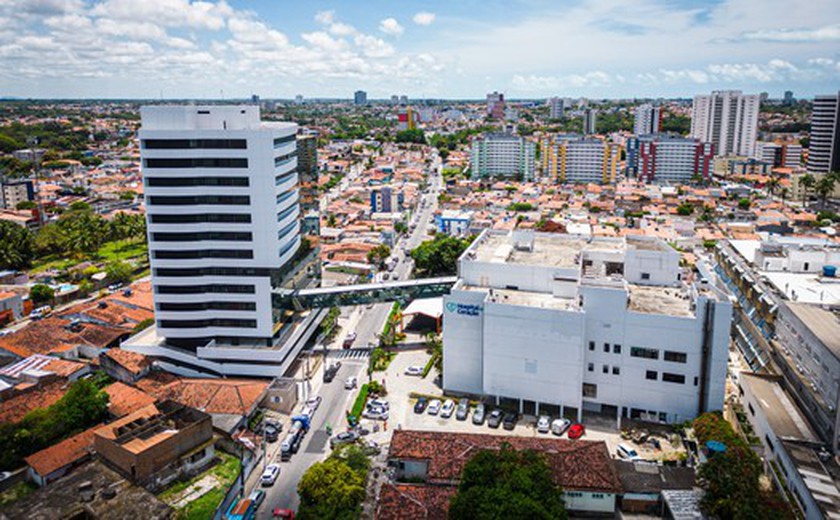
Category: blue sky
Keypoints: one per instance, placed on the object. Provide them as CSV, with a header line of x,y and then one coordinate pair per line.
x,y
449,49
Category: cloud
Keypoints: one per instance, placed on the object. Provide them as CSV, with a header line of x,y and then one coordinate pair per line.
x,y
424,18
391,27
825,33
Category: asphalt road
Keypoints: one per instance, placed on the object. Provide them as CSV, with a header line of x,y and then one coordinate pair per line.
x,y
335,399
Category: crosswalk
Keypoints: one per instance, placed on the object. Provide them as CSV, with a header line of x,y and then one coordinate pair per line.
x,y
350,353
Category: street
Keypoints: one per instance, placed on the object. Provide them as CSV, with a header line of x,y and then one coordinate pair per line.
x,y
336,401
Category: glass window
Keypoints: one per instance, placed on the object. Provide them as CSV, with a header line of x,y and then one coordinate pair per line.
x,y
616,349
616,371
675,357
183,144
653,375
673,378
647,353
197,162
179,182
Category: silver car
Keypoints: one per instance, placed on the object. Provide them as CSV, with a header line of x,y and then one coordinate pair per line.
x,y
543,424
463,409
478,414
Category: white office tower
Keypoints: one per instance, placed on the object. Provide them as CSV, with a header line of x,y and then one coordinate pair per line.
x,y
221,191
556,107
824,152
728,119
557,323
589,116
648,119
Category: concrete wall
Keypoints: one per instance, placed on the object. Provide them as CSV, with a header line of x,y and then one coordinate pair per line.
x,y
463,349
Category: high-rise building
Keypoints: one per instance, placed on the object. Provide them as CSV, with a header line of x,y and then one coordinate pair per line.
x,y
647,119
577,159
589,115
403,99
502,155
395,99
496,105
406,119
15,191
556,107
728,119
299,99
386,200
663,158
221,190
785,155
307,167
824,150
788,99
360,97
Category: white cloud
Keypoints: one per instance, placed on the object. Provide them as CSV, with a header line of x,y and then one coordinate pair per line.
x,y
391,27
325,17
424,18
801,35
373,47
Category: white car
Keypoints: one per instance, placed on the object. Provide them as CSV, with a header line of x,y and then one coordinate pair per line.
x,y
543,424
376,413
314,402
414,371
447,409
269,476
378,403
350,383
559,426
434,407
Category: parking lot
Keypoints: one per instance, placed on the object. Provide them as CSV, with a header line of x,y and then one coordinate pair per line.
x,y
401,386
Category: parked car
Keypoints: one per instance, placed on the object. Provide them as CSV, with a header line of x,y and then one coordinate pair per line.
x,y
576,431
350,383
269,476
271,433
626,452
447,409
343,438
414,371
381,403
285,514
495,418
420,405
375,412
348,340
434,407
478,414
331,371
543,424
463,409
559,426
257,497
510,420
314,402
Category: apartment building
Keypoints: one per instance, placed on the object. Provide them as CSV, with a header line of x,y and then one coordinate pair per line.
x,y
386,200
360,97
824,149
496,105
576,159
669,159
647,119
407,119
728,119
502,155
589,116
563,323
556,107
779,155
15,191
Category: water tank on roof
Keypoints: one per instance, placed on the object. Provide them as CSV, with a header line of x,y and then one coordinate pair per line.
x,y
830,271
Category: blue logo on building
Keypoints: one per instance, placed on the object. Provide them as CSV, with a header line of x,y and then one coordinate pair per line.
x,y
463,308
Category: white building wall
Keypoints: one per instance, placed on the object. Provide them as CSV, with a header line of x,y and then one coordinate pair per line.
x,y
463,353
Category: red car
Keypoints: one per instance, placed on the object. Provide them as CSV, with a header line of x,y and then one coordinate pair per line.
x,y
576,431
283,513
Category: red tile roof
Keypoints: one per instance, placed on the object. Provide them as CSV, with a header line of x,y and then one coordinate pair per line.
x,y
412,501
62,454
31,398
43,336
221,396
125,399
131,361
577,465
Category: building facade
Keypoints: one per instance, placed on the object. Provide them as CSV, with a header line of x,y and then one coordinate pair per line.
x,y
589,116
223,219
779,155
824,149
496,105
669,159
577,159
647,119
502,155
567,324
360,97
728,119
386,200
15,191
556,107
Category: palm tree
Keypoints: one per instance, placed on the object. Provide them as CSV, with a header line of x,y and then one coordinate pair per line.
x,y
806,182
783,193
771,185
825,187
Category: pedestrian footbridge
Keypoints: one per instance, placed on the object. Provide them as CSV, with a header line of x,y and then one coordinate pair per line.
x,y
402,291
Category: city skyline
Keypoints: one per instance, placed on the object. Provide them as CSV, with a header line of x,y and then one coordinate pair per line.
x,y
99,49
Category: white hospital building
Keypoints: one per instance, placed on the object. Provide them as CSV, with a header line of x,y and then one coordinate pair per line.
x,y
566,324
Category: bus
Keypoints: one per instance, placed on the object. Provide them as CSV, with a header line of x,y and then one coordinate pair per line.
x,y
242,510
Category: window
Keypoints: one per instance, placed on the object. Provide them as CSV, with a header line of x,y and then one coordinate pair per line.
x,y
212,271
605,369
590,390
179,182
591,345
235,236
279,160
179,200
696,379
673,378
215,322
675,357
210,288
280,179
616,349
591,367
597,495
645,276
283,140
198,162
647,353
607,347
616,371
183,144
207,306
182,254
769,443
653,375
226,218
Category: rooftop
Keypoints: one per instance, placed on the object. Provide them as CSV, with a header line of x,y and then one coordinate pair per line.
x,y
214,396
124,399
531,299
824,324
659,300
64,453
398,501
782,415
817,479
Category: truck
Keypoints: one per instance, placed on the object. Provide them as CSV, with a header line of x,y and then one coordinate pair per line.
x,y
291,444
244,509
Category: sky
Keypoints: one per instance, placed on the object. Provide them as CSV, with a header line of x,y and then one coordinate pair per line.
x,y
424,49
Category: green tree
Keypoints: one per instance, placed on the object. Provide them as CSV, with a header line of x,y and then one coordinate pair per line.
x,y
50,240
378,255
507,484
806,182
330,489
685,209
825,187
41,294
744,204
414,135
439,257
521,206
8,144
119,272
25,205
16,246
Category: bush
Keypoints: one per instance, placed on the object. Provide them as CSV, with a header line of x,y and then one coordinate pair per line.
x,y
41,294
359,403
